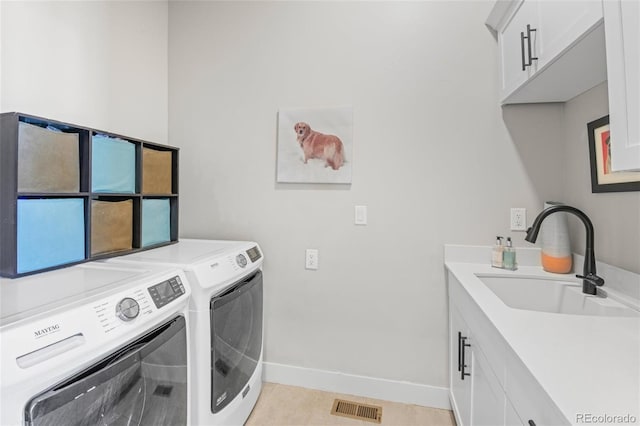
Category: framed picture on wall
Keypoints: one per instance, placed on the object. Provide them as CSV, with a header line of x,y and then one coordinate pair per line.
x,y
603,179
315,145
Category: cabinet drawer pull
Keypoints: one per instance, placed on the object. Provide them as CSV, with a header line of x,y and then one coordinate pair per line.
x,y
463,364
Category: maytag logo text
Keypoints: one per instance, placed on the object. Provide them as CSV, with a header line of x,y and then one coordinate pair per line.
x,y
46,331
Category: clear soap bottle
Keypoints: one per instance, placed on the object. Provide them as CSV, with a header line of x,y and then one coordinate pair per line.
x,y
509,256
497,253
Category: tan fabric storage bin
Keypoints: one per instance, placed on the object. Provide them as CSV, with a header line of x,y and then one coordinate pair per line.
x,y
111,226
48,161
156,171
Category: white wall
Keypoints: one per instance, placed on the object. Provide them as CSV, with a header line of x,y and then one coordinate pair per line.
x,y
432,160
101,64
615,216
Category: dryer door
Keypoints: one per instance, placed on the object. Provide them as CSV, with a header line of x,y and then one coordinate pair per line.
x,y
236,339
143,383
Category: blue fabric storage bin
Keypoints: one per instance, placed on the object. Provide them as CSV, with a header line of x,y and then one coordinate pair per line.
x,y
156,221
50,232
113,165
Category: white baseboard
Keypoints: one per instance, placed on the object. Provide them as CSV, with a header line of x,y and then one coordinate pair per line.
x,y
369,387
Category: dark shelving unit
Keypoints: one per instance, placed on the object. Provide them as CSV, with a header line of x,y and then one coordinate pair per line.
x,y
165,172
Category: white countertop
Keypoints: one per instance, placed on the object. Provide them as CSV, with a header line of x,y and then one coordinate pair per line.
x,y
586,364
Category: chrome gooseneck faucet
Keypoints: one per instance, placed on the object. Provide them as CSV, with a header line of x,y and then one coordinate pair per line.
x,y
590,281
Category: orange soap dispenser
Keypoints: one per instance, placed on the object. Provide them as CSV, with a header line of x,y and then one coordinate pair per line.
x,y
556,248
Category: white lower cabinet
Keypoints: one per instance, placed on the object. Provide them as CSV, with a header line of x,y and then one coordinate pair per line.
x,y
487,397
530,401
489,385
476,394
511,417
460,383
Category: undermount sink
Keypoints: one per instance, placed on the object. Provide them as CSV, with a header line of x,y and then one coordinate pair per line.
x,y
550,295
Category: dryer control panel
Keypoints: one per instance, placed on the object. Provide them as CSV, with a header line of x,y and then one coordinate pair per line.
x,y
254,253
166,291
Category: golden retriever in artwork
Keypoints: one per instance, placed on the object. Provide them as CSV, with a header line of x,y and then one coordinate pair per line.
x,y
318,145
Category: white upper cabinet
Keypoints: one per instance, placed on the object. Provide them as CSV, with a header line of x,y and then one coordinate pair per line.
x,y
516,65
550,51
563,24
622,23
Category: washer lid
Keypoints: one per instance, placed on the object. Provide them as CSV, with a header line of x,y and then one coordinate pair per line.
x,y
34,294
187,252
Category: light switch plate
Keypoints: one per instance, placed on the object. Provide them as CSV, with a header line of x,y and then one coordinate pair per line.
x,y
361,215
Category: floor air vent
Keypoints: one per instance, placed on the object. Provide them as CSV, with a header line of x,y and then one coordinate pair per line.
x,y
354,410
162,390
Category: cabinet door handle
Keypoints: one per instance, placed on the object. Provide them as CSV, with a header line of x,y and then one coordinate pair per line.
x,y
532,58
524,65
529,31
459,351
531,423
463,363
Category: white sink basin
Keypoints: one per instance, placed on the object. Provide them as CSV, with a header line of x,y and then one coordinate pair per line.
x,y
549,295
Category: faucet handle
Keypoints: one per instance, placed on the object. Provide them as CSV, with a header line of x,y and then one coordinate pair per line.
x,y
593,279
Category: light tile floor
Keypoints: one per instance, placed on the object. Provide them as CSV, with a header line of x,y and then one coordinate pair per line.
x,y
283,405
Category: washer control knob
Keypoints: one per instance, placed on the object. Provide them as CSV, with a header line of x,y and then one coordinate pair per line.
x,y
241,260
127,309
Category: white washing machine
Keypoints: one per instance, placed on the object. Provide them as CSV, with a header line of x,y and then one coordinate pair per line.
x,y
95,344
226,324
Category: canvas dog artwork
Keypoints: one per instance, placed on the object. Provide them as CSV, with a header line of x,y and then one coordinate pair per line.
x,y
314,144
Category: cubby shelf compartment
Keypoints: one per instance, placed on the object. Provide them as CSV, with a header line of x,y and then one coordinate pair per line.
x,y
59,207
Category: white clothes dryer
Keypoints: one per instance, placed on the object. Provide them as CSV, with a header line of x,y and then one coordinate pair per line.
x,y
95,344
226,324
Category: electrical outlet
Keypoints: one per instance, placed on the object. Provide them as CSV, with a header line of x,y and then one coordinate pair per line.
x,y
518,219
311,259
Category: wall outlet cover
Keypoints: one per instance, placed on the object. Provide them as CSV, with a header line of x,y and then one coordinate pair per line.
x,y
311,259
518,219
